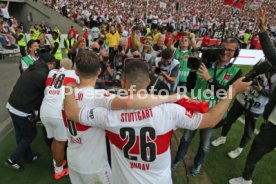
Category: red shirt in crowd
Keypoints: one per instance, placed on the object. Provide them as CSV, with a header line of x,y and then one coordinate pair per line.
x,y
74,33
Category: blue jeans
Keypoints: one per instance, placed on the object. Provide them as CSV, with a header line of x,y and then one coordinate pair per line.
x,y
204,145
25,132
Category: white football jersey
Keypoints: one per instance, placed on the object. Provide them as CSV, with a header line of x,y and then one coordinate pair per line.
x,y
86,152
54,92
140,139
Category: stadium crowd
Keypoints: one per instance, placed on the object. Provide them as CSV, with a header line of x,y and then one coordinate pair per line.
x,y
127,42
166,13
8,28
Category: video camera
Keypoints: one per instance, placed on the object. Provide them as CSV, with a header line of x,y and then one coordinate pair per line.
x,y
257,80
210,55
260,68
119,66
119,70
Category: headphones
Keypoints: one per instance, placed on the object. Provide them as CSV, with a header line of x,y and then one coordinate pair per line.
x,y
233,40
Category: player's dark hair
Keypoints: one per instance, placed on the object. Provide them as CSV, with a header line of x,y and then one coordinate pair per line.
x,y
136,73
87,63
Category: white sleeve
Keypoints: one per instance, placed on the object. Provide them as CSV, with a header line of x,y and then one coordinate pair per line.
x,y
93,117
185,119
104,99
24,65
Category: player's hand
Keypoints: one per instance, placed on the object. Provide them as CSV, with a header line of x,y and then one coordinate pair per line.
x,y
261,19
203,72
239,86
69,88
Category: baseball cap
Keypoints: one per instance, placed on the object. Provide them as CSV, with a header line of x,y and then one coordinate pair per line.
x,y
47,57
166,54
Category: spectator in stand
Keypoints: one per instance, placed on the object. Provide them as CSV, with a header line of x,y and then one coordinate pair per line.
x,y
255,42
112,38
5,12
74,32
206,40
85,33
95,13
68,44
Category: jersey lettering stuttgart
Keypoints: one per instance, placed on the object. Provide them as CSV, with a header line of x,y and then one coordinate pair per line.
x,y
140,140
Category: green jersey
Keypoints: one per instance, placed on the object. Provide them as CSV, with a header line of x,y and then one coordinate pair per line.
x,y
182,57
203,91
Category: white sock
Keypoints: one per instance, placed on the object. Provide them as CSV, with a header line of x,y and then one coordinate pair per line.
x,y
54,163
58,169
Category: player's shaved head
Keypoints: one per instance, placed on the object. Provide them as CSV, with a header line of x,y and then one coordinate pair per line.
x,y
136,73
87,63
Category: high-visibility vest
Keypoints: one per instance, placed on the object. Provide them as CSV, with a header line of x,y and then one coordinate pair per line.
x,y
32,36
35,35
58,54
22,42
68,44
57,30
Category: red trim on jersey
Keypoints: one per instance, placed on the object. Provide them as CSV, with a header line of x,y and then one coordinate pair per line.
x,y
65,82
79,126
162,142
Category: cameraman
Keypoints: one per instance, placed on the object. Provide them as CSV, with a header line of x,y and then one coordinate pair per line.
x,y
106,71
221,74
251,104
121,53
265,141
167,69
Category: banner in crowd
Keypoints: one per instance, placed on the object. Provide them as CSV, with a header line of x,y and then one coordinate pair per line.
x,y
235,3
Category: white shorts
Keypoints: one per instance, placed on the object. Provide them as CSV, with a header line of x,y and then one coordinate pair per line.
x,y
55,128
103,177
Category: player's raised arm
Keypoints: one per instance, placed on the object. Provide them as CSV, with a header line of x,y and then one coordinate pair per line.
x,y
85,115
70,105
211,118
136,102
93,117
